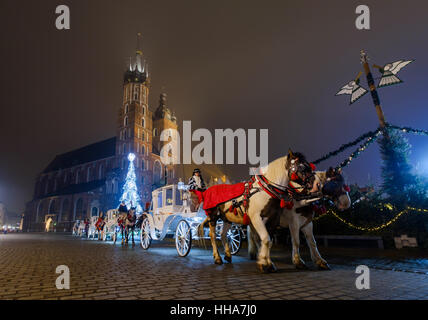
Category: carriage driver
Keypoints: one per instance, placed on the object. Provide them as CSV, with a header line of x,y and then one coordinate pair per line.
x,y
197,184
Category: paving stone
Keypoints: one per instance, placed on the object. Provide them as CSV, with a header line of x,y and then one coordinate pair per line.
x,y
105,271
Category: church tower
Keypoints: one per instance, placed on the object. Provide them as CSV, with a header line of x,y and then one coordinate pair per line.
x,y
164,119
135,122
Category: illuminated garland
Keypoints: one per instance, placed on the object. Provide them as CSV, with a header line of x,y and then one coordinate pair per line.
x,y
370,137
360,149
409,130
345,146
377,228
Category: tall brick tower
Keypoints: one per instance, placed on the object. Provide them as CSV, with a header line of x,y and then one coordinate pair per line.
x,y
164,119
134,126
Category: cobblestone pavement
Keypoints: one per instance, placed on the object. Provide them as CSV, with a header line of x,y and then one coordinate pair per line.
x,y
101,270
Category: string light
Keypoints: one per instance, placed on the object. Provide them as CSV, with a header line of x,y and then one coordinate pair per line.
x,y
379,227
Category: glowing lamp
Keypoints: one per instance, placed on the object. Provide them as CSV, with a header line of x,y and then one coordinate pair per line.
x,y
131,157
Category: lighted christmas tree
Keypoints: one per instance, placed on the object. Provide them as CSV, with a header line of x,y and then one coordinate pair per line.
x,y
130,192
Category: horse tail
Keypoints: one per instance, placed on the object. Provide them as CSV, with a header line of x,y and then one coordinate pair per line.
x,y
253,242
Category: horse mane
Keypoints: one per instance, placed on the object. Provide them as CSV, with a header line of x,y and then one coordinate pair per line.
x,y
277,171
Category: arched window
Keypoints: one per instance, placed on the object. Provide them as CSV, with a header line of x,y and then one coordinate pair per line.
x,y
126,108
89,174
78,177
143,150
52,207
94,212
155,132
143,122
142,136
143,110
65,211
100,171
125,121
79,212
39,211
157,172
143,164
136,91
124,148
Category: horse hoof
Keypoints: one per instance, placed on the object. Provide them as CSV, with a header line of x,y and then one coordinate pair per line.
x,y
263,268
228,258
271,268
323,266
218,261
301,266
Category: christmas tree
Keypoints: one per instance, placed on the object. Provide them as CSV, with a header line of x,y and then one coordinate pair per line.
x,y
398,180
130,192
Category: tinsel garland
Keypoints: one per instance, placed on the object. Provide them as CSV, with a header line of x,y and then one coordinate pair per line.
x,y
360,149
370,137
367,135
409,130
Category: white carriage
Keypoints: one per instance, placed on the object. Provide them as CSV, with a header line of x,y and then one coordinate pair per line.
x,y
170,214
78,228
92,229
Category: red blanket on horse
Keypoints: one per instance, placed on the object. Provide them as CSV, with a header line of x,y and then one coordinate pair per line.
x,y
221,193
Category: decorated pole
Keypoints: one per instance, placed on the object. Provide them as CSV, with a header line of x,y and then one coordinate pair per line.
x,y
373,91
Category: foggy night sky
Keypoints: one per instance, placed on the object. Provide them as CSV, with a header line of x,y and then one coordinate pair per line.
x,y
224,64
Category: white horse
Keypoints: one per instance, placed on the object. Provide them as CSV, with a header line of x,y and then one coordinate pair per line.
x,y
300,218
274,179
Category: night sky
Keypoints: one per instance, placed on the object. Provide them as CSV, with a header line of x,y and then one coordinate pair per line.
x,y
224,64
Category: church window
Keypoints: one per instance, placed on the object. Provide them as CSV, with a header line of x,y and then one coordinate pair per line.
x,y
124,148
125,121
142,136
136,92
143,164
143,122
126,108
125,134
155,132
143,110
143,150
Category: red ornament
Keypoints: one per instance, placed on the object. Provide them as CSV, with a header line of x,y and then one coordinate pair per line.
x,y
312,166
294,176
346,188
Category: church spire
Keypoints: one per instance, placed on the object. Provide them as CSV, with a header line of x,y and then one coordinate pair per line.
x,y
137,70
138,55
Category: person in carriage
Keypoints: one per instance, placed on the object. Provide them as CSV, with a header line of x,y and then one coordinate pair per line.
x,y
196,187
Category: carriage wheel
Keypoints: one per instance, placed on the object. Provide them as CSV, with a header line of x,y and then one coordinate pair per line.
x,y
145,238
234,238
183,238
